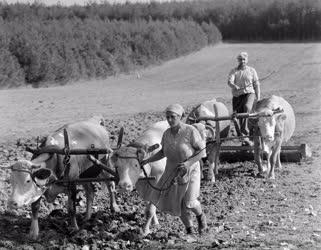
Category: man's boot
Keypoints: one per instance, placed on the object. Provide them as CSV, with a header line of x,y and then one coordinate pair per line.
x,y
202,225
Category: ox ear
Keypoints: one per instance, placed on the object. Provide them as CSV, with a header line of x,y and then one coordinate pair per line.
x,y
42,173
141,154
120,137
210,132
153,147
281,117
41,176
38,165
42,158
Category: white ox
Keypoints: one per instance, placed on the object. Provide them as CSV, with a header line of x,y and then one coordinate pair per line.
x,y
274,129
207,109
126,161
31,179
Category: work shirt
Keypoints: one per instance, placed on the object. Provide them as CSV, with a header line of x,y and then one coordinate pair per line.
x,y
177,148
245,78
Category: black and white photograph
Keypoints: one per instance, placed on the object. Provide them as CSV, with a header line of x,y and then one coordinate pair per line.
x,y
160,124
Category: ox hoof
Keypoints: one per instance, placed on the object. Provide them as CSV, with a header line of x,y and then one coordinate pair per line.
x,y
115,209
73,230
260,175
272,177
210,178
32,236
264,170
144,233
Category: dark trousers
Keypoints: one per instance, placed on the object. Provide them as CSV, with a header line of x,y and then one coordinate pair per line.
x,y
243,104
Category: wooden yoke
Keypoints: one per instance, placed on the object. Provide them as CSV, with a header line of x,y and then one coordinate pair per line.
x,y
217,138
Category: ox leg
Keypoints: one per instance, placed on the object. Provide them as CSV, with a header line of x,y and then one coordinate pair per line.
x,y
257,155
150,213
268,165
34,228
72,192
278,160
275,159
212,167
154,218
216,150
258,151
112,191
90,199
278,152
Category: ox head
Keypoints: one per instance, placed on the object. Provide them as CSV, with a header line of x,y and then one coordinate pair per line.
x,y
127,162
207,132
269,124
28,181
197,112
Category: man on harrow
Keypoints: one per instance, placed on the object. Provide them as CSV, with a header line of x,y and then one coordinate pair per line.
x,y
245,85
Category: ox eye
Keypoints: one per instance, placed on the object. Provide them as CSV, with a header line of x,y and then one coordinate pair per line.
x,y
28,181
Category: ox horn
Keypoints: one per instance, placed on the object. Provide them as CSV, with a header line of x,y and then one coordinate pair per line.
x,y
120,137
153,147
32,150
40,158
211,129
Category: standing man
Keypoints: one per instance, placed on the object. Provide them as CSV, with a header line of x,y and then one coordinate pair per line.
x,y
245,85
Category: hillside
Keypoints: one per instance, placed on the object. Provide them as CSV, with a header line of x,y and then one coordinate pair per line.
x,y
290,70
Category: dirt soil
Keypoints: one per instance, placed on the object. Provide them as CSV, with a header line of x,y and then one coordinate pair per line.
x,y
243,212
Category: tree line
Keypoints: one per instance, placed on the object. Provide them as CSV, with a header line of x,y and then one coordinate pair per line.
x,y
37,53
44,44
246,20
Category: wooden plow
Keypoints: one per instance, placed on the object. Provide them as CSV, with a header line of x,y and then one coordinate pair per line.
x,y
92,154
246,153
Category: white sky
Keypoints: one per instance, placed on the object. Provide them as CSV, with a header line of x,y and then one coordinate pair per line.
x,y
71,2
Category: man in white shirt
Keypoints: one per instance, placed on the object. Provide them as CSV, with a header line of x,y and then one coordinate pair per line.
x,y
245,85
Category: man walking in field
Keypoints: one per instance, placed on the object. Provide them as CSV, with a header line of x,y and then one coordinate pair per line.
x,y
245,85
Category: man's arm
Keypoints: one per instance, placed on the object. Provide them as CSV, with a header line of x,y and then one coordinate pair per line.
x,y
256,85
257,90
231,81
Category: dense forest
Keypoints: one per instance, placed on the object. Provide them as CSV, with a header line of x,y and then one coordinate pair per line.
x,y
42,45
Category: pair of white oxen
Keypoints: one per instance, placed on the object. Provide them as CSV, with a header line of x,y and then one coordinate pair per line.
x,y
30,179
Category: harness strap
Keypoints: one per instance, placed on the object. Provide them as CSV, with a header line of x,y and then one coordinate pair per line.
x,y
32,177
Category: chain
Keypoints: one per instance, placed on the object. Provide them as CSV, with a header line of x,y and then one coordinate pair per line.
x,y
66,160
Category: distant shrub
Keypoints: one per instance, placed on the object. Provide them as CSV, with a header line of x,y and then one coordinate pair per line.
x,y
11,74
69,49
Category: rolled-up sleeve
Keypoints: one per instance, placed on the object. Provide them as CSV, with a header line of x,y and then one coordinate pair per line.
x,y
231,78
255,78
197,142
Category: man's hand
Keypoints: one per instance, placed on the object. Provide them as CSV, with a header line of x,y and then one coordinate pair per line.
x,y
236,87
182,169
